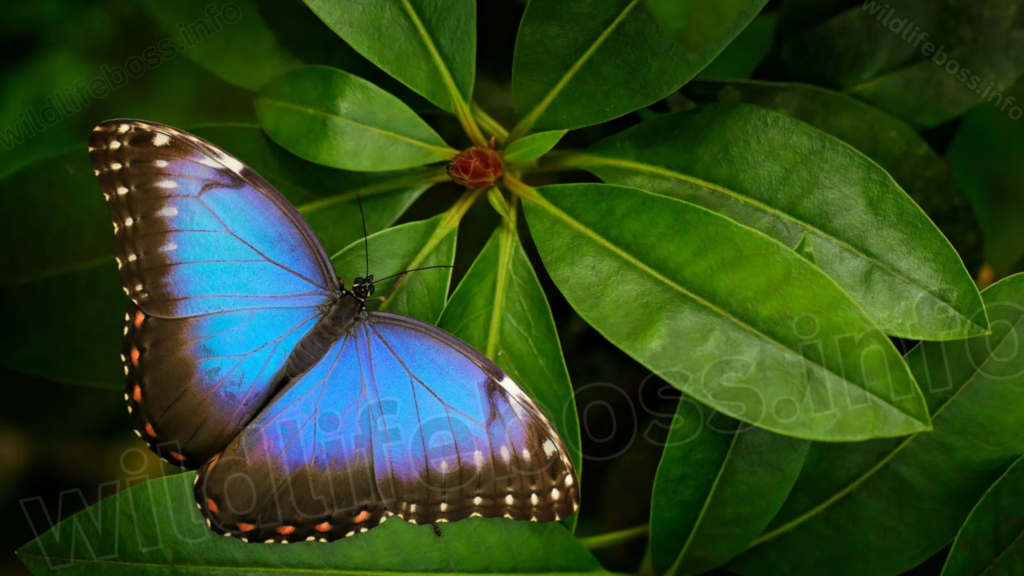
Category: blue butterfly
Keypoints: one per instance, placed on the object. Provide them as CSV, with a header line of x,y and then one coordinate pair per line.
x,y
308,416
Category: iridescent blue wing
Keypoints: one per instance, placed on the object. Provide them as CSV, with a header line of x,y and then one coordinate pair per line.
x,y
455,436
224,278
398,418
303,469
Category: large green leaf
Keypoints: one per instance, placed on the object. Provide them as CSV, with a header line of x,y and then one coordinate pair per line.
x,y
331,117
878,508
927,94
154,528
890,142
718,485
429,45
66,263
582,63
673,285
696,24
785,178
532,147
990,540
500,309
985,158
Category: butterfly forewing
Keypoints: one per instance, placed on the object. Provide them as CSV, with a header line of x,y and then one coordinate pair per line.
x,y
224,278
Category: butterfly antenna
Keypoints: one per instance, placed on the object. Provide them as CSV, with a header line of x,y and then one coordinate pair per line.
x,y
407,271
366,242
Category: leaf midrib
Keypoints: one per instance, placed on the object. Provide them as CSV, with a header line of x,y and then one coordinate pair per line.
x,y
541,201
527,123
501,286
457,101
297,570
444,151
583,160
792,524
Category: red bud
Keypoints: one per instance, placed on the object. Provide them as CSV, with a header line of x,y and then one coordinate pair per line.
x,y
478,167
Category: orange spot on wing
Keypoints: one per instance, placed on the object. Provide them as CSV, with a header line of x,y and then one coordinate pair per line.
x,y
246,527
211,506
137,394
323,527
285,530
135,356
177,456
149,430
139,317
362,517
212,462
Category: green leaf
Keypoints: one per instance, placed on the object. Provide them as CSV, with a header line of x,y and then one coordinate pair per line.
x,y
154,527
428,45
785,178
500,309
421,295
497,201
582,63
806,248
532,147
696,24
671,284
985,158
331,117
890,142
927,94
879,508
66,258
718,485
742,56
990,540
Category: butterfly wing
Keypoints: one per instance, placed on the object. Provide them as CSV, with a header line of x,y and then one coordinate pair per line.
x,y
224,278
303,469
455,436
400,418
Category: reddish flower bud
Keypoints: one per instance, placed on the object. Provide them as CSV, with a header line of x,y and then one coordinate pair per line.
x,y
478,167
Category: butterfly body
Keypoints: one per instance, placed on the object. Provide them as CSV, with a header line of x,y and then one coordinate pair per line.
x,y
307,416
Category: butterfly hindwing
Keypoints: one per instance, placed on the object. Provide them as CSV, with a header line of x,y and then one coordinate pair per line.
x,y
224,278
303,469
455,437
399,417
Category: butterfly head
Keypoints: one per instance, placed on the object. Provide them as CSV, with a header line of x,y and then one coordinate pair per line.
x,y
362,288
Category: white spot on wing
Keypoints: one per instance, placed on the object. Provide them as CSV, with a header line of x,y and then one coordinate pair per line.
x,y
167,184
549,447
478,459
168,211
160,163
505,454
123,128
161,140
509,500
115,166
169,247
555,494
121,190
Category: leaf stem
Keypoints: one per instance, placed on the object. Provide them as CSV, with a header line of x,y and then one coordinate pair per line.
x,y
508,240
613,538
488,123
518,187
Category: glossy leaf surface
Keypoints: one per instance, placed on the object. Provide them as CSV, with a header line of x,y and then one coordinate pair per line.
x,y
679,302
891,143
67,254
788,178
331,117
429,45
154,527
719,483
741,57
582,63
881,507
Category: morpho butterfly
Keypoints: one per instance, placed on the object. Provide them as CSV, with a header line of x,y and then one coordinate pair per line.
x,y
308,416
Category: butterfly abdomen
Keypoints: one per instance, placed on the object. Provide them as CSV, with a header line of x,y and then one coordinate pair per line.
x,y
333,326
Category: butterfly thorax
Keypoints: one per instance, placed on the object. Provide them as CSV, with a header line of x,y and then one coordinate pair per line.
x,y
340,318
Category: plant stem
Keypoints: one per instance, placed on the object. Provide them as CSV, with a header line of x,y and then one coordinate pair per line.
x,y
488,123
468,122
613,538
518,187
